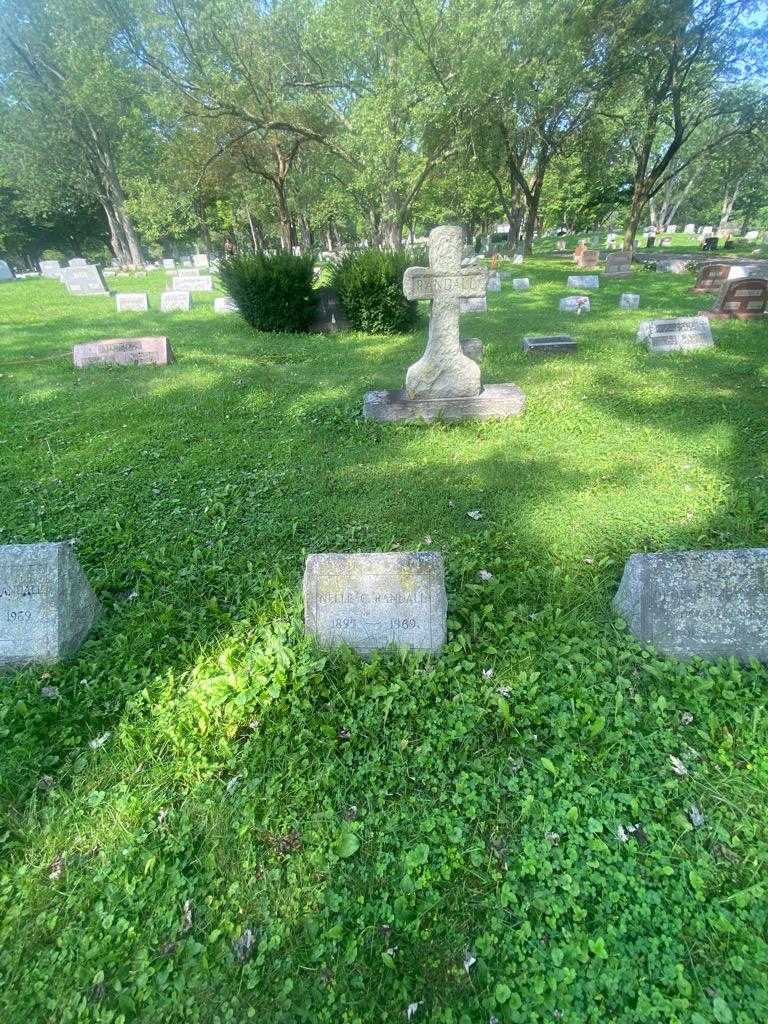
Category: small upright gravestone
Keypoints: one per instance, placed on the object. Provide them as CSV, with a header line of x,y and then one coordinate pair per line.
x,y
84,281
745,299
444,383
583,281
170,301
46,604
6,274
200,260
224,304
50,268
123,352
575,304
169,264
711,277
78,262
372,601
618,264
521,284
710,604
132,302
494,282
710,243
192,283
473,304
690,229
677,334
629,300
589,259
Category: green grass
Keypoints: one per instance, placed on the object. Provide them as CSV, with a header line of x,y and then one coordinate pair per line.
x,y
366,868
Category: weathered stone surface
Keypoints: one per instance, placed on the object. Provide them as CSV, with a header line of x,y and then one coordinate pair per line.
x,y
192,282
225,305
444,371
46,604
473,349
78,263
85,280
618,264
329,315
494,282
713,604
169,264
549,344
6,274
179,300
521,284
494,400
583,281
517,260
123,352
50,268
745,299
690,229
132,302
677,334
445,382
742,270
476,305
711,276
575,304
200,260
629,300
373,601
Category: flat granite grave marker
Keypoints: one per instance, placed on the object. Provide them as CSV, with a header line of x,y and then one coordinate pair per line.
x,y
47,606
583,281
371,601
549,344
618,264
521,284
575,304
178,300
710,604
444,383
123,352
192,283
745,299
84,281
329,315
629,300
711,277
6,274
677,334
132,302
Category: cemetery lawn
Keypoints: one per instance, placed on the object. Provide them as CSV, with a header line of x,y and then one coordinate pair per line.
x,y
210,820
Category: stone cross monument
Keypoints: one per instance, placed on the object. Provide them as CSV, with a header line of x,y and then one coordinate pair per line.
x,y
444,383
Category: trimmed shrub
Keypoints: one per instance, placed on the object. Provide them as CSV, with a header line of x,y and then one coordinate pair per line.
x,y
273,293
370,287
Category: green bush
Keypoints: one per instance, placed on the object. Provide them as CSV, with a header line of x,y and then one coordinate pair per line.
x,y
274,293
370,287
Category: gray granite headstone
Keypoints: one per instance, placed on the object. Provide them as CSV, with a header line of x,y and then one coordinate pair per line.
x,y
575,304
197,283
583,281
170,301
46,604
123,352
371,601
677,334
549,344
132,302
521,284
329,316
84,280
50,268
223,304
78,263
713,604
6,274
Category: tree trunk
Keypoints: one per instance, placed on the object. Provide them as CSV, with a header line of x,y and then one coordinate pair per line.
x,y
251,225
117,241
635,213
306,233
287,230
729,201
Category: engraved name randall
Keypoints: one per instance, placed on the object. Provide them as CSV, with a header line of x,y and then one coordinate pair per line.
x,y
353,597
23,590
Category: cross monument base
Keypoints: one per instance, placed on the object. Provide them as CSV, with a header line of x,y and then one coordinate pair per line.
x,y
494,401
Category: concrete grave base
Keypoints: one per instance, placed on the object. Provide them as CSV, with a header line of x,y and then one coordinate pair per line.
x,y
495,400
